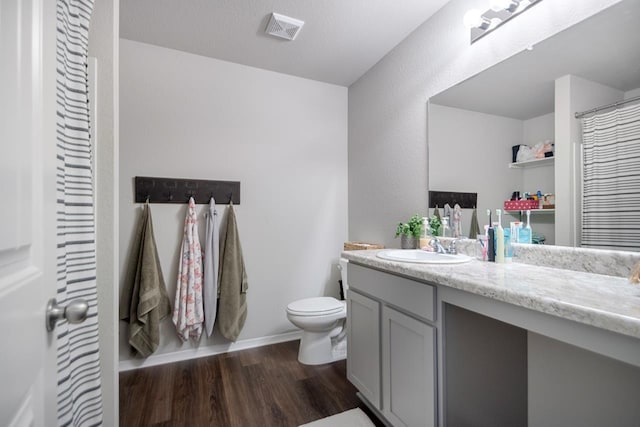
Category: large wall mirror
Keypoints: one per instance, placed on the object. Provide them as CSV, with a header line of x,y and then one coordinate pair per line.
x,y
529,98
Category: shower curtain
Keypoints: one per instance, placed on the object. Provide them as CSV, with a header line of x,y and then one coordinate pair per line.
x,y
79,396
611,180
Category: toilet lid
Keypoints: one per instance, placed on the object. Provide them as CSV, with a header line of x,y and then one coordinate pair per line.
x,y
318,305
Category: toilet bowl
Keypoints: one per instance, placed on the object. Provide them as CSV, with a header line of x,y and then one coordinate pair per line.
x,y
322,320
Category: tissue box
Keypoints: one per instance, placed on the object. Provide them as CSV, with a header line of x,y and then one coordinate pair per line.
x,y
521,205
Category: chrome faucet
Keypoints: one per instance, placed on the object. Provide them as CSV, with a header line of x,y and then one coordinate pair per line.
x,y
452,247
437,246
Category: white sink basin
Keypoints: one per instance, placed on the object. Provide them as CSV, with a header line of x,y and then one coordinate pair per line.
x,y
422,257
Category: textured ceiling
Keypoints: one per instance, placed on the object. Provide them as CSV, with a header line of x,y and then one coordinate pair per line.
x,y
340,40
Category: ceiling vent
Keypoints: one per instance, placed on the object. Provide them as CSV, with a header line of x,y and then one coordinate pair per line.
x,y
284,26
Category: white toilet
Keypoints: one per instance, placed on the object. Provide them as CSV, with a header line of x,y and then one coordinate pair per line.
x,y
322,320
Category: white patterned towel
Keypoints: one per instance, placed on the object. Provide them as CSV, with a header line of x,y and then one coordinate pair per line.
x,y
188,313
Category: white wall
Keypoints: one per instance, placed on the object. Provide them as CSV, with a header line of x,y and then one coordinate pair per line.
x,y
103,45
387,106
284,138
573,94
470,152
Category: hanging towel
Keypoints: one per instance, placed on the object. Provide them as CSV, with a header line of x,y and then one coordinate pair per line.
x,y
210,261
232,283
447,213
457,221
474,228
188,312
144,301
436,213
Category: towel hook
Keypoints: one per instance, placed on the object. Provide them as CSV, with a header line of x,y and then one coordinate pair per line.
x,y
230,197
147,198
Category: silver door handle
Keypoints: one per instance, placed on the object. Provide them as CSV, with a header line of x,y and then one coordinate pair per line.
x,y
74,312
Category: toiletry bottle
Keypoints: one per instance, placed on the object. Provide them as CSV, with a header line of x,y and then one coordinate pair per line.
x,y
491,248
499,235
424,234
515,227
445,227
526,234
508,249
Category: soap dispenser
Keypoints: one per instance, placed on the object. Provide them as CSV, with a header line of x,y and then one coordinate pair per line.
x,y
445,227
526,234
424,233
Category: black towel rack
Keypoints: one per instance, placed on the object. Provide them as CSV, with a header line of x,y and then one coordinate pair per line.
x,y
441,198
178,190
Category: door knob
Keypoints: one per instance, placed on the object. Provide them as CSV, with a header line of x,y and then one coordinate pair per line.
x,y
74,312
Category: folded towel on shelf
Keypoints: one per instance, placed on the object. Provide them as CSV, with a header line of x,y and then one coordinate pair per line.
x,y
232,283
210,262
188,311
144,301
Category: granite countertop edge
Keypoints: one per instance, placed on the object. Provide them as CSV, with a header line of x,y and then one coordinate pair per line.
x,y
607,302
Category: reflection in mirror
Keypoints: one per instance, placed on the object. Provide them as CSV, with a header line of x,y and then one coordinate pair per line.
x,y
532,98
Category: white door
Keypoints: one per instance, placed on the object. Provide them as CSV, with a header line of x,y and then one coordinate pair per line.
x,y
27,211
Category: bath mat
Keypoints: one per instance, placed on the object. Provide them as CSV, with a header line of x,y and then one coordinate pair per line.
x,y
351,418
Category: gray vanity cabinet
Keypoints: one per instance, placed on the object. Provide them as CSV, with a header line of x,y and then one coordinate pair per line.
x,y
363,354
392,345
408,369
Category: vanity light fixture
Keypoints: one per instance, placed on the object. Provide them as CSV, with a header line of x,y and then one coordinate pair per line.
x,y
499,12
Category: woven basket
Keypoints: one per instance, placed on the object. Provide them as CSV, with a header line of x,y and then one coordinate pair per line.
x,y
358,246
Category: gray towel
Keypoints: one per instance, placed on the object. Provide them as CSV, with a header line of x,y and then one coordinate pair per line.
x,y
232,281
211,261
144,301
474,228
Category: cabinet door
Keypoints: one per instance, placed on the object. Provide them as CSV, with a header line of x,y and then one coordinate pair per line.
x,y
408,370
363,346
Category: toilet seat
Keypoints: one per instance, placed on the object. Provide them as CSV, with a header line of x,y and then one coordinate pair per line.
x,y
319,306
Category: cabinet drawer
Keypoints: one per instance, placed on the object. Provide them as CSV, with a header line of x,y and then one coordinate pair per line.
x,y
410,296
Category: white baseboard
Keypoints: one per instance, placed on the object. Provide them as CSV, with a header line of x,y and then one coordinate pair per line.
x,y
179,356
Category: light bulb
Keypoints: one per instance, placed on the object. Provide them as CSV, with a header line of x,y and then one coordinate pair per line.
x,y
473,18
498,5
523,5
508,5
494,23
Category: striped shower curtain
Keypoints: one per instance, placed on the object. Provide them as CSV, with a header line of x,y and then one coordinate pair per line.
x,y
611,180
79,398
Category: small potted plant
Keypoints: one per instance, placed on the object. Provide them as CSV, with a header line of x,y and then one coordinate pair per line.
x,y
409,232
435,226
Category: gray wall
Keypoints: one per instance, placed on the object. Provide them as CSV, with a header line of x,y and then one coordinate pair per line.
x,y
485,370
569,386
388,113
469,152
283,137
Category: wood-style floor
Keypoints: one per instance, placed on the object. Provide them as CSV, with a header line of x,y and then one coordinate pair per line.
x,y
263,387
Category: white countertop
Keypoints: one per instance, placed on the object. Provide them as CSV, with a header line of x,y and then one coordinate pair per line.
x,y
607,302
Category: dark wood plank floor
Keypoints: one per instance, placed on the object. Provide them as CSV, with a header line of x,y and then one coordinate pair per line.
x,y
265,386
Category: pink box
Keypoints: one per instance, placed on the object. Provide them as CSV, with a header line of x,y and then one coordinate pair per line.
x,y
521,205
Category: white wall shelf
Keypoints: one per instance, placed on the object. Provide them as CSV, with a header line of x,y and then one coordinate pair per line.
x,y
533,163
532,210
